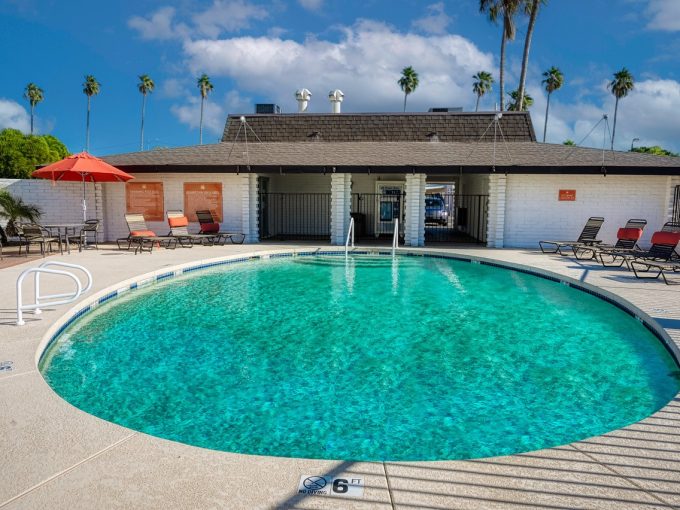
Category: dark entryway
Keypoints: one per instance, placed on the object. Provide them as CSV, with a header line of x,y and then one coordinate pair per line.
x,y
451,218
375,214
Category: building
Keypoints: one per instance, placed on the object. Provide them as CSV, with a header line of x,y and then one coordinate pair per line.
x,y
302,176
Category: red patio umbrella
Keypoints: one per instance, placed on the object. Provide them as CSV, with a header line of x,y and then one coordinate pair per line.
x,y
82,167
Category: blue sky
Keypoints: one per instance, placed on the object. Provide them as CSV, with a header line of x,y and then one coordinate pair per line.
x,y
262,51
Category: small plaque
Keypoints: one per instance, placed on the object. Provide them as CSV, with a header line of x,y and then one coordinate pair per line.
x,y
567,195
317,485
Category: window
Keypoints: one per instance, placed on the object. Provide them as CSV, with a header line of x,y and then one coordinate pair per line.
x,y
145,198
202,195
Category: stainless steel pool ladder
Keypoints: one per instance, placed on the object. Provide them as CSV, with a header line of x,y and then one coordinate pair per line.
x,y
350,235
395,237
61,299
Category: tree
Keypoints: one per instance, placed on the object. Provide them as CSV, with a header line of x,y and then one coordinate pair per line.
x,y
145,86
531,8
13,209
90,88
206,88
620,86
656,150
514,105
35,95
569,141
481,85
506,9
553,80
20,153
408,82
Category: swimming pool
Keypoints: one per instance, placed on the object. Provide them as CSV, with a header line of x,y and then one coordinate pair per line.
x,y
370,359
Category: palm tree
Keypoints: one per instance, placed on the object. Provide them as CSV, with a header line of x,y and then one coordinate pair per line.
x,y
205,87
531,8
90,88
482,85
145,86
620,86
13,209
514,105
35,95
554,79
408,82
506,9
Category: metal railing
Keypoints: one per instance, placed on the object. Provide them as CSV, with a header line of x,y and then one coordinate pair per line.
x,y
350,235
676,204
456,218
68,297
294,216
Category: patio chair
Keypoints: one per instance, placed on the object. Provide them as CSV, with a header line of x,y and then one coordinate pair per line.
x,y
142,237
662,250
210,226
10,241
615,257
588,237
87,236
35,234
626,239
179,228
647,269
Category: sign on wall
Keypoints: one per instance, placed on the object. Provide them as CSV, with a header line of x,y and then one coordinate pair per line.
x,y
567,195
203,195
145,198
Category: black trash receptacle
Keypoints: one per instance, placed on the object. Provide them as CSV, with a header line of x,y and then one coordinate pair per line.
x,y
359,224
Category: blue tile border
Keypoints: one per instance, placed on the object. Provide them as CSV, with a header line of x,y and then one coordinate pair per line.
x,y
510,267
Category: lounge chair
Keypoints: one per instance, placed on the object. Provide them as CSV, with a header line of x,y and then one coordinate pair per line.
x,y
179,229
646,269
662,250
588,237
626,239
210,226
141,237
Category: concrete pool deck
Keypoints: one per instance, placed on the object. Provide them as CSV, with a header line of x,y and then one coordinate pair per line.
x,y
56,456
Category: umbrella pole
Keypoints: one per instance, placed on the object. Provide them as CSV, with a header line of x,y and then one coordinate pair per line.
x,y
84,202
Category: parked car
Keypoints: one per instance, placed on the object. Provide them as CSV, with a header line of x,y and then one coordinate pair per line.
x,y
436,211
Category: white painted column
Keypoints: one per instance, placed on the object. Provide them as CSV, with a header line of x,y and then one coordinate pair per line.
x,y
414,218
496,220
673,181
249,205
341,202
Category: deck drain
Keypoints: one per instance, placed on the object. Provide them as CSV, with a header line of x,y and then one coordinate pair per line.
x,y
6,366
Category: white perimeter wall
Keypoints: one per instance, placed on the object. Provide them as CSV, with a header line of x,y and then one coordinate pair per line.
x,y
60,202
173,191
533,213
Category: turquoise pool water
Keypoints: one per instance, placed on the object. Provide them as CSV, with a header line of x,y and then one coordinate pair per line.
x,y
374,359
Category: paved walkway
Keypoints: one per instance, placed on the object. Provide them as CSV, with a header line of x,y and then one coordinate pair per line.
x,y
55,456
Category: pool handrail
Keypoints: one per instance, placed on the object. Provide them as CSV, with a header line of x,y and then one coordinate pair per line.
x,y
395,236
350,235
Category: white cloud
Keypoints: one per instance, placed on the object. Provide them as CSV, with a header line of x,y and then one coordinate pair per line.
x,y
172,88
311,5
221,16
227,15
13,115
436,20
365,64
664,15
159,26
646,113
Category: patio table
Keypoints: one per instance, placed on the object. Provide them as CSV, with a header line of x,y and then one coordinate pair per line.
x,y
64,228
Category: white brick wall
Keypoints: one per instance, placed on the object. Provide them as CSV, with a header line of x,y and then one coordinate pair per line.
x,y
341,200
497,190
414,219
173,191
533,212
60,202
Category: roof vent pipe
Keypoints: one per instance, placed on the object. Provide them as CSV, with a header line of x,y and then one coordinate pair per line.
x,y
303,96
335,97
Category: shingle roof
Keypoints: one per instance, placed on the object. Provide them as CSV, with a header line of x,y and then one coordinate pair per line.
x,y
381,127
390,154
